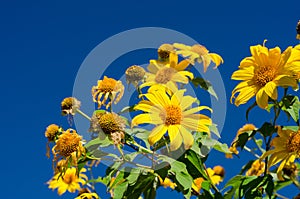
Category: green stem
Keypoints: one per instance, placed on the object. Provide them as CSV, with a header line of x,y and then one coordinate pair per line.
x,y
83,114
121,152
250,151
259,147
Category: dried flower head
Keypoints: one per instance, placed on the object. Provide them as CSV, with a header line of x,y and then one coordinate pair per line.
x,y
111,122
69,106
52,131
108,88
135,74
67,143
164,51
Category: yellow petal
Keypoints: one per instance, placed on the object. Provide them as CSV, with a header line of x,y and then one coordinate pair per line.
x,y
182,65
173,60
245,95
262,99
188,139
175,137
177,97
271,90
187,101
156,134
217,59
243,74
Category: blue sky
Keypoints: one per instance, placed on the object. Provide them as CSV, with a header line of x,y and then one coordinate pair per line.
x,y
43,44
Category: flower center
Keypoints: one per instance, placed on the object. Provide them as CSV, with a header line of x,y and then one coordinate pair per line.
x,y
165,50
293,143
69,178
107,85
68,143
172,115
264,75
164,75
111,123
199,49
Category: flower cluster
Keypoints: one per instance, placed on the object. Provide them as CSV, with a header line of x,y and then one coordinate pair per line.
x,y
161,138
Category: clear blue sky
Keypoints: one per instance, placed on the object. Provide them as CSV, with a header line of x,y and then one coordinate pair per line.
x,y
43,44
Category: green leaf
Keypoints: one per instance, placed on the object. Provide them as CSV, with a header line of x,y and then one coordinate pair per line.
x,y
212,143
267,129
213,128
291,105
181,174
140,133
119,190
206,85
205,185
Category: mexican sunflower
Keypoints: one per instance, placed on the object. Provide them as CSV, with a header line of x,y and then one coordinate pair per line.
x,y
166,76
286,149
172,114
69,181
198,53
263,72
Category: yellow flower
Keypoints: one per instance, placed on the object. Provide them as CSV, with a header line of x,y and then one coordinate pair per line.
x,y
196,186
166,76
167,182
172,114
172,61
87,196
257,168
234,144
108,88
286,150
216,176
198,53
134,74
67,143
219,170
69,181
69,106
262,73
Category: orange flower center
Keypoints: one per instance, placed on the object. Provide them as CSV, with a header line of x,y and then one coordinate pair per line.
x,y
264,75
68,143
172,116
111,123
68,178
107,85
164,75
293,143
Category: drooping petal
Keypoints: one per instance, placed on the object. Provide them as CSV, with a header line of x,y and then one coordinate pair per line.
x,y
217,59
262,99
175,137
157,133
188,139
